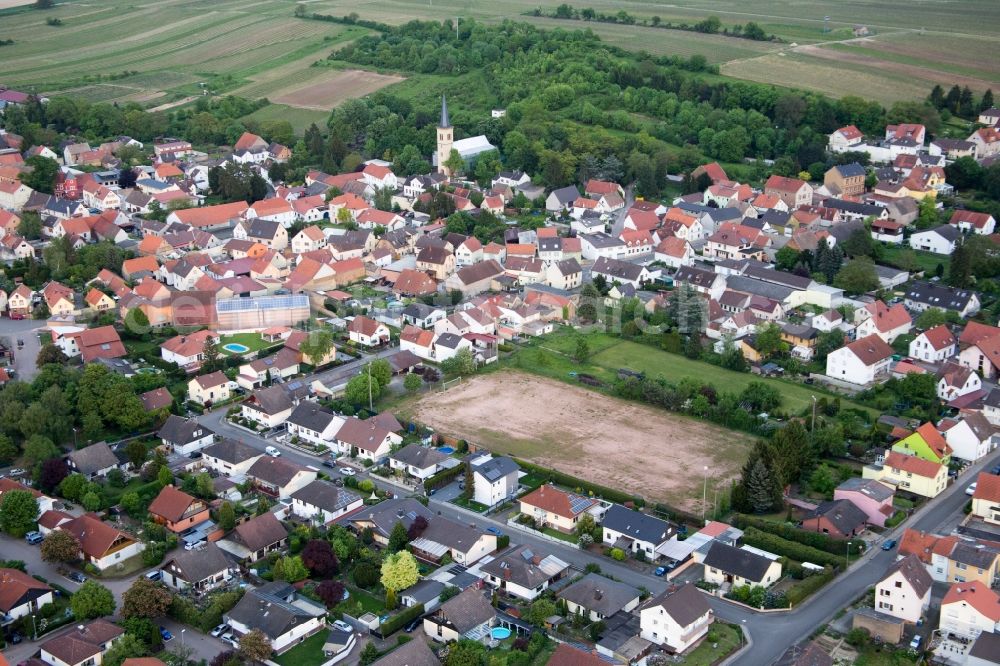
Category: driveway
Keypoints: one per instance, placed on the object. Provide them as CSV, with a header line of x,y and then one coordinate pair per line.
x,y
12,330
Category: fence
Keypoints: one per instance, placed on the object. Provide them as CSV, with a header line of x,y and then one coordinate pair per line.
x,y
541,535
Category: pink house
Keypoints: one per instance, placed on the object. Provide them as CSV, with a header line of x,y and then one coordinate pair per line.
x,y
870,496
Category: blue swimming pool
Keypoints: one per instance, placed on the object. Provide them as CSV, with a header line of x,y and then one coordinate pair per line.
x,y
446,449
499,633
236,348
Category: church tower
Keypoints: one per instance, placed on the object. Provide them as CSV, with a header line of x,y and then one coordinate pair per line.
x,y
445,138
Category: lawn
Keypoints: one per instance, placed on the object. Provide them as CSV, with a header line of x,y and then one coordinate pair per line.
x,y
727,638
903,256
608,354
559,535
369,602
307,653
252,340
471,505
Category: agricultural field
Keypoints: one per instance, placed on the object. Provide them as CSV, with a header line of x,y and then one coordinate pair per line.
x,y
605,440
333,88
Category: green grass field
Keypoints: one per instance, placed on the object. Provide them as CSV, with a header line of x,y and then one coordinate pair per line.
x,y
608,354
251,340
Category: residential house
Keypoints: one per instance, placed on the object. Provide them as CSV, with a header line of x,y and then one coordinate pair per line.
x,y
313,423
83,645
635,532
676,619
845,139
184,436
970,221
596,245
368,332
874,499
861,362
674,252
201,570
725,564
969,609
595,597
188,350
475,279
323,502
970,436
94,461
93,343
255,538
287,618
555,508
840,519
21,594
565,274
229,457
984,650
382,518
523,571
986,498
208,389
934,345
460,542
879,319
279,477
494,479
621,272
368,440
176,510
309,239
418,461
926,443
468,615
905,590
956,380
269,407
939,240
282,365
909,473
101,544
923,295
792,191
845,179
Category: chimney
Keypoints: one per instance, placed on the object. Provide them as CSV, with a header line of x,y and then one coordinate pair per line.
x,y
598,594
506,574
536,560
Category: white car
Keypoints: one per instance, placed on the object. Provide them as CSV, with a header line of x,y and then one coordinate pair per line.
x,y
972,488
347,471
17,471
219,630
273,452
343,626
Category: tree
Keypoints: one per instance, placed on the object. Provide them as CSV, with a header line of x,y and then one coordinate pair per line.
x,y
145,599
462,363
293,570
92,600
927,214
51,473
539,611
397,538
466,653
227,516
42,176
827,342
769,340
412,382
857,277
39,448
930,318
416,528
762,487
786,258
455,164
128,646
331,592
133,505
73,487
399,571
582,351
255,646
859,244
91,501
137,453
370,654
164,476
319,558
50,354
18,512
366,575
317,345
357,391
60,546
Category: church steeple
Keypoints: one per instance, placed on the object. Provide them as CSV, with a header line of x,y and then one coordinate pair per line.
x,y
444,113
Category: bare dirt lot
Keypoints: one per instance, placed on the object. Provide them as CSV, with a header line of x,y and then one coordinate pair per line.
x,y
327,91
651,452
7,4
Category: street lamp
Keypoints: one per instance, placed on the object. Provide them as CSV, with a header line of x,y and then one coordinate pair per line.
x,y
704,494
182,637
848,554
814,415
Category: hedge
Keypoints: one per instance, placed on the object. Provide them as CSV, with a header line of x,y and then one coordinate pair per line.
x,y
790,549
443,477
798,592
816,540
604,492
400,620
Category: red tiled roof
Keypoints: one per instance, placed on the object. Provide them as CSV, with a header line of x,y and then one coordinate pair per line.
x,y
557,501
977,595
913,464
987,487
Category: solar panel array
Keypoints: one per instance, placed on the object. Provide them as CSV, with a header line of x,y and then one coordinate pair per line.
x,y
578,504
285,302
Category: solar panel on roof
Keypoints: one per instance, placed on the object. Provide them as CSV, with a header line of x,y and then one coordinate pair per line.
x,y
527,554
578,504
263,303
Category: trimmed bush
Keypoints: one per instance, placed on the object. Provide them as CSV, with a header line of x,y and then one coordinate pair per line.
x,y
400,620
790,549
798,592
816,540
560,478
443,477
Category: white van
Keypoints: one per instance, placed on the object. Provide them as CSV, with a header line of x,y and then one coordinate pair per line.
x,y
273,452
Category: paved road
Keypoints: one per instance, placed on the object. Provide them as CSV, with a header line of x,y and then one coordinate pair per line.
x,y
12,330
339,376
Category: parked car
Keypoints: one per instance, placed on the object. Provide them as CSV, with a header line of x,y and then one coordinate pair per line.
x,y
889,544
413,625
166,635
329,463
971,489
915,643
343,626
995,470
17,316
34,538
17,471
154,575
494,530
77,577
219,630
660,571
228,637
347,471
271,451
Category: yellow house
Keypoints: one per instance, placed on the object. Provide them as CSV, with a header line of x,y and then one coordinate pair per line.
x,y
910,473
986,499
551,507
967,562
59,299
98,301
209,389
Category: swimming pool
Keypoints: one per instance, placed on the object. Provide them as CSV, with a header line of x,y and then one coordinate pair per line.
x,y
147,371
446,449
236,348
499,633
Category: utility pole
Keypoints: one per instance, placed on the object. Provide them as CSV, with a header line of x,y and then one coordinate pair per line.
x,y
704,494
814,417
370,407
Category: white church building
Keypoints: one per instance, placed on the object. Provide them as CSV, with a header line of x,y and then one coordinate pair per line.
x,y
468,148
